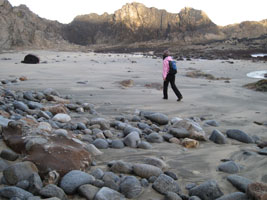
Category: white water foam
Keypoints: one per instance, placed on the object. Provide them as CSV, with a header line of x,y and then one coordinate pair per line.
x,y
257,74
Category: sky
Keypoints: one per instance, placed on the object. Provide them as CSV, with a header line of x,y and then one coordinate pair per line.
x,y
221,12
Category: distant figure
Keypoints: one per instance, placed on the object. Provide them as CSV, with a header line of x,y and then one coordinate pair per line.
x,y
169,77
31,59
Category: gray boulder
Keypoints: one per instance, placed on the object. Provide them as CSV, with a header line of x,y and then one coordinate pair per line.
x,y
158,118
19,171
194,198
74,179
132,139
8,154
4,121
52,190
35,183
239,136
121,167
21,106
106,193
179,132
14,192
111,180
100,143
234,196
154,138
241,183
146,171
144,145
229,167
3,165
117,144
35,105
164,184
130,187
97,173
172,196
129,129
88,191
217,137
104,124
208,190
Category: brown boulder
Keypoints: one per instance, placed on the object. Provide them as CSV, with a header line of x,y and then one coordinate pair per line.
x,y
13,137
62,155
257,191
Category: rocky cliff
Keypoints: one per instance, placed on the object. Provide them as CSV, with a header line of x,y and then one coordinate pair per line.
x,y
133,27
135,23
22,28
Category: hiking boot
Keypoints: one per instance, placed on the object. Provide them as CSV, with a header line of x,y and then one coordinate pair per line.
x,y
179,99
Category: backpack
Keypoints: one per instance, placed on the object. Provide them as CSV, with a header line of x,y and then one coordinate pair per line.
x,y
172,67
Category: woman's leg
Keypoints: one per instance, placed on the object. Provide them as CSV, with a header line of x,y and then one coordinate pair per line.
x,y
165,89
174,88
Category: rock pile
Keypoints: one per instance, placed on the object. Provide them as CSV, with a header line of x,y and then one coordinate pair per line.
x,y
53,142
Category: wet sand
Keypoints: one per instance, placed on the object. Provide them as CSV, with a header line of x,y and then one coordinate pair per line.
x,y
231,105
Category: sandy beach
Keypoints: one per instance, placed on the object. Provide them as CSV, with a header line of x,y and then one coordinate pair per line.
x,y
95,78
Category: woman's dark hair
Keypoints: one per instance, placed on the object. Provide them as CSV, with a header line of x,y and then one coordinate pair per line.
x,y
166,53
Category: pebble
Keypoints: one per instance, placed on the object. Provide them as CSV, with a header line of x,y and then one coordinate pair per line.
x,y
144,145
60,117
97,173
239,136
52,190
208,190
172,196
106,193
156,162
19,171
164,184
74,179
121,167
217,137
171,174
212,123
257,191
229,167
129,129
130,187
111,180
144,182
12,192
117,144
241,183
154,138
8,154
35,183
132,139
101,143
158,118
3,165
234,196
146,171
88,191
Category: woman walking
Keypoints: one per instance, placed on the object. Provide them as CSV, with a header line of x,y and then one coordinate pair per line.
x,y
169,78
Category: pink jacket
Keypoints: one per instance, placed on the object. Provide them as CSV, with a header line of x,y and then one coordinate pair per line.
x,y
166,67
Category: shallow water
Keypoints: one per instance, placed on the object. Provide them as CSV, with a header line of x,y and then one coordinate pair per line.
x,y
257,74
258,55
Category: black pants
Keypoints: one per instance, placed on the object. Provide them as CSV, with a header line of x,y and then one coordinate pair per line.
x,y
171,79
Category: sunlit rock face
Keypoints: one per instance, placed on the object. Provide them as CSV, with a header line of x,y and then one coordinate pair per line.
x,y
135,22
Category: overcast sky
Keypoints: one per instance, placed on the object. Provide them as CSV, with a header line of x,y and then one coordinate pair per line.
x,y
221,12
